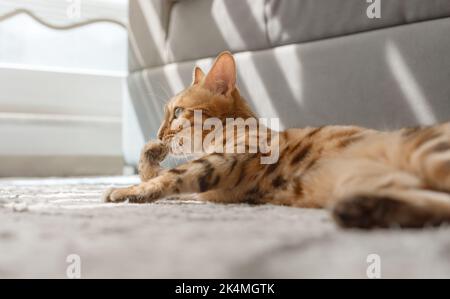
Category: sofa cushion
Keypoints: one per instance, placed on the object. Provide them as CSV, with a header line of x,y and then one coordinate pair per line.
x,y
168,31
148,21
204,28
307,20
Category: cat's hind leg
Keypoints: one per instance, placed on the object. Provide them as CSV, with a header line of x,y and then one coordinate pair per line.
x,y
371,194
402,208
426,153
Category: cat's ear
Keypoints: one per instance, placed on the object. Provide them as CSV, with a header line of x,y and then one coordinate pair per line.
x,y
221,79
197,76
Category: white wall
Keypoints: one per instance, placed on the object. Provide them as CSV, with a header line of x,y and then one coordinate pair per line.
x,y
61,90
49,115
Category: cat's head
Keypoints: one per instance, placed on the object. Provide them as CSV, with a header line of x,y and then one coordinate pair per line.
x,y
214,94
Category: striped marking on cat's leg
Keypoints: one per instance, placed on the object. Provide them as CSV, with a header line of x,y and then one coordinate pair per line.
x,y
243,180
430,158
212,172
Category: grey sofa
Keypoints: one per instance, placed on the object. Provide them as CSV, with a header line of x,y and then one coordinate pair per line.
x,y
308,62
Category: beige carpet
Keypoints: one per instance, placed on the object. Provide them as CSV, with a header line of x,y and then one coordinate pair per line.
x,y
44,221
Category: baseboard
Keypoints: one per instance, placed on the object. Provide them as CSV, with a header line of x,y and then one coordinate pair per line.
x,y
59,135
61,166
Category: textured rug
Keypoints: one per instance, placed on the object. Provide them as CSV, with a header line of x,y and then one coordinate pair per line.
x,y
44,221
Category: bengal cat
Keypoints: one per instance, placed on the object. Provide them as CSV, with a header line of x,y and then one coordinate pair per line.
x,y
366,178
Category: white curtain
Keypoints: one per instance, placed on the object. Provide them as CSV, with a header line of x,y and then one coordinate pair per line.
x,y
60,12
98,46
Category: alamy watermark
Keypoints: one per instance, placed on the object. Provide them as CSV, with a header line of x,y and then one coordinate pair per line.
x,y
374,269
374,9
231,136
73,10
73,270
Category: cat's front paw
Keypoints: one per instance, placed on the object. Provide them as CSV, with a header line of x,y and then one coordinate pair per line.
x,y
134,194
154,152
114,195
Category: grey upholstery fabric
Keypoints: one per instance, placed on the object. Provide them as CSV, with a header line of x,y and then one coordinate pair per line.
x,y
306,62
203,28
307,20
148,24
382,79
169,31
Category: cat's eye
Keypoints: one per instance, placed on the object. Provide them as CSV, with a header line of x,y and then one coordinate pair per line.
x,y
178,111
